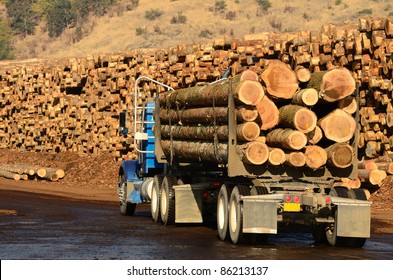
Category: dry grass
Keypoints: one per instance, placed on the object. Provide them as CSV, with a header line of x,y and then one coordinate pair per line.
x,y
116,31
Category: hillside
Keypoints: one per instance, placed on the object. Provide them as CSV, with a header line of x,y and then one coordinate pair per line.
x,y
124,27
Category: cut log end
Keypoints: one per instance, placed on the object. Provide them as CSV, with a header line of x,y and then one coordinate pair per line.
x,y
340,155
295,159
280,80
276,156
305,120
316,157
337,84
248,131
256,153
250,92
338,126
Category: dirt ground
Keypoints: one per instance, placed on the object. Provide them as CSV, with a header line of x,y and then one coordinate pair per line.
x,y
95,178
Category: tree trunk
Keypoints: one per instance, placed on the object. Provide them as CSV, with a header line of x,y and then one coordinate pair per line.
x,y
248,131
350,184
305,97
367,164
385,166
280,80
340,155
303,74
348,104
286,139
268,113
252,152
375,176
316,157
295,159
338,126
9,175
247,92
334,84
205,115
297,117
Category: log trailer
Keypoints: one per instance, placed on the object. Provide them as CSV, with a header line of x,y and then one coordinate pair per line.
x,y
210,176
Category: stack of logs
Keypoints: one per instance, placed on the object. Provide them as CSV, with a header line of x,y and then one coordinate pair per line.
x,y
280,121
21,171
73,105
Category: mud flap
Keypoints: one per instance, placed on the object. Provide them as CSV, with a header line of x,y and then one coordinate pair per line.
x,y
259,215
188,203
353,221
353,217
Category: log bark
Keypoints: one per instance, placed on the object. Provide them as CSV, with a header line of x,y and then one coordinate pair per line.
x,y
248,131
280,80
276,156
334,84
305,97
268,113
375,176
385,166
338,126
286,139
295,159
297,117
340,155
205,115
316,157
247,92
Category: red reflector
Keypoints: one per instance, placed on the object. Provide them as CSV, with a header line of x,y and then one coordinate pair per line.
x,y
216,184
288,198
296,199
327,199
205,194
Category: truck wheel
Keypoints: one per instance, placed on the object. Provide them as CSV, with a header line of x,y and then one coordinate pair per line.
x,y
357,194
167,201
236,214
126,208
155,198
331,230
222,211
258,190
319,233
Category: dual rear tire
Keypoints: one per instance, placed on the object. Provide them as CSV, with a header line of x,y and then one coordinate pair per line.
x,y
163,199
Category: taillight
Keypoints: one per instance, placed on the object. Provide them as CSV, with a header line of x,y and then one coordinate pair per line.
x,y
296,199
328,200
288,198
215,184
205,194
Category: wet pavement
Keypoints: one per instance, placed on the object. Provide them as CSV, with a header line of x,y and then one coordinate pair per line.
x,y
35,226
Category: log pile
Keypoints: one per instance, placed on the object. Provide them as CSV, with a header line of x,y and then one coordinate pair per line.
x,y
20,171
73,104
192,129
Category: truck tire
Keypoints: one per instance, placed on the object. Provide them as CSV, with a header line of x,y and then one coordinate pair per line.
x,y
357,194
155,198
222,211
259,190
167,201
235,215
126,208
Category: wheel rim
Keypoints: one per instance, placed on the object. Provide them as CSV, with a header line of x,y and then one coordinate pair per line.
x,y
221,213
233,215
164,201
123,191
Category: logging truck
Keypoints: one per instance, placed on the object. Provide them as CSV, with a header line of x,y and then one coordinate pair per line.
x,y
208,151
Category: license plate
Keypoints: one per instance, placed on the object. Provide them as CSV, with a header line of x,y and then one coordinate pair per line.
x,y
292,207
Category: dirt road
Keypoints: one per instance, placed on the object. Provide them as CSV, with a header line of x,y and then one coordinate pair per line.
x,y
80,225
